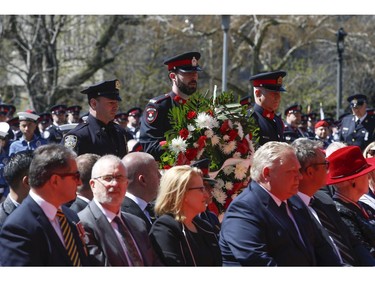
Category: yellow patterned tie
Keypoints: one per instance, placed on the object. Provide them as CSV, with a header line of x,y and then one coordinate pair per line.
x,y
70,244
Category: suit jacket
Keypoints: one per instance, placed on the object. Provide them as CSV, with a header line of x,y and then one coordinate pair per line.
x,y
6,208
129,206
29,239
102,243
254,232
173,247
326,204
78,205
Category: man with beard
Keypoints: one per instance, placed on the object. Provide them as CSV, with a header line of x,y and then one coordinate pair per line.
x,y
99,134
183,72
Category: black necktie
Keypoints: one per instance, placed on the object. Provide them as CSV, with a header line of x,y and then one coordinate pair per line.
x,y
334,233
287,218
358,122
131,248
150,209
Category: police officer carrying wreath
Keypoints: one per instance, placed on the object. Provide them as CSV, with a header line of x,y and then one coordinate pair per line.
x,y
183,72
99,134
267,97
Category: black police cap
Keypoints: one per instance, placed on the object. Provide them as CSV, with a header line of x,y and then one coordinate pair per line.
x,y
44,117
186,62
356,97
269,80
204,166
121,116
74,109
58,108
293,108
134,111
109,89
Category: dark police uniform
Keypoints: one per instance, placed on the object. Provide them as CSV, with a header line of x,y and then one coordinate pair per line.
x,y
357,132
92,135
53,134
155,120
270,124
291,133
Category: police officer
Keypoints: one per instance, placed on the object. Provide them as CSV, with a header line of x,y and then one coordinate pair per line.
x,y
99,134
293,119
72,114
183,73
133,126
358,128
267,95
53,133
44,121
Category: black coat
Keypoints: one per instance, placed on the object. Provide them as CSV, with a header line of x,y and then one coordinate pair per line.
x,y
171,244
93,136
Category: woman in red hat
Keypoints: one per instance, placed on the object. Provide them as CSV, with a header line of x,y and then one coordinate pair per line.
x,y
349,173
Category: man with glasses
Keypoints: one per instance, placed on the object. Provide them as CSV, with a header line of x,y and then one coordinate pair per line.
x,y
268,87
358,128
183,73
115,238
314,168
42,231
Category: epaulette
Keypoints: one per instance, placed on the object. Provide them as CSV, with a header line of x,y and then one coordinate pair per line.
x,y
159,99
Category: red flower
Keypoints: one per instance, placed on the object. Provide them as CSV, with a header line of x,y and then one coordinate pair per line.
x,y
201,142
191,153
213,208
191,115
232,135
184,133
227,202
243,146
210,112
166,167
224,127
182,160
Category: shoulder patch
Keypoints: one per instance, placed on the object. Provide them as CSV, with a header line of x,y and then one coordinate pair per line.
x,y
151,114
70,141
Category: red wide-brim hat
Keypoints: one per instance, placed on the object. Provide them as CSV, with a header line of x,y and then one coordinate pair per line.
x,y
348,163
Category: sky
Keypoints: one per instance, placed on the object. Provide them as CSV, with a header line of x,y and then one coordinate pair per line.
x,y
231,7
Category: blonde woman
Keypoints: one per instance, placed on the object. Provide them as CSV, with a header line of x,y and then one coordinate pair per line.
x,y
179,236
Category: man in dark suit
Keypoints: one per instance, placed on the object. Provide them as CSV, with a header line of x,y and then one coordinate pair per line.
x,y
114,238
16,173
358,128
85,162
144,178
314,171
42,231
267,88
263,227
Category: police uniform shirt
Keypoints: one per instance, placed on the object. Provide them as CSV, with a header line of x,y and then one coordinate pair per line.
x,y
22,144
93,136
155,122
4,159
361,134
270,124
53,134
291,134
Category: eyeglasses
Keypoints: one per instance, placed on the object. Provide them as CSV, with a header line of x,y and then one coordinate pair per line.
x,y
326,163
110,178
75,175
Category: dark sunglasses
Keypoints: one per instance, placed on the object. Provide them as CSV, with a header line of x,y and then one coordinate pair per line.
x,y
75,175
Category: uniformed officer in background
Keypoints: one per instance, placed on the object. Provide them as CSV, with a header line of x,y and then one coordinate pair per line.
x,y
358,128
99,134
72,114
267,96
53,134
183,72
293,119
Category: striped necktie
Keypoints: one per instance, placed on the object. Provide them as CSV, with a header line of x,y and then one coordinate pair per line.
x,y
131,248
70,244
